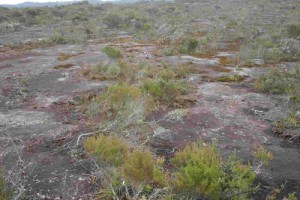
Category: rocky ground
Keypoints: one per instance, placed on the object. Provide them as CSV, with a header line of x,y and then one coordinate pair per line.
x,y
40,120
40,123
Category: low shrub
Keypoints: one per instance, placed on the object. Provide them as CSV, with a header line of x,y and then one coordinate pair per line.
x,y
183,71
293,30
286,82
263,155
123,103
199,170
103,72
112,52
56,39
107,148
113,70
140,167
165,91
165,74
238,180
230,78
63,56
280,82
285,125
188,45
118,96
113,20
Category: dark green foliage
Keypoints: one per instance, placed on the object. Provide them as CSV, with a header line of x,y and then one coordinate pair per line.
x,y
293,30
188,45
113,20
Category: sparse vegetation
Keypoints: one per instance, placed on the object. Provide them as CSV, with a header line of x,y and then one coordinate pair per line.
x,y
231,78
63,66
108,149
280,81
285,82
263,155
63,56
188,45
112,52
136,104
165,91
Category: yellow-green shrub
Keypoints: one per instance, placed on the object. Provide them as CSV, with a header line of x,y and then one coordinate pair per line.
x,y
117,97
199,170
238,180
263,155
164,91
108,149
140,167
112,52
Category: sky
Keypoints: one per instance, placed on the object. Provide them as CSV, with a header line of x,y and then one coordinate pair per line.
x,y
21,1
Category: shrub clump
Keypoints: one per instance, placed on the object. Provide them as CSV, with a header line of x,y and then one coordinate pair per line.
x,y
164,91
140,166
230,78
280,82
118,96
286,82
293,30
112,52
188,45
124,104
201,171
108,149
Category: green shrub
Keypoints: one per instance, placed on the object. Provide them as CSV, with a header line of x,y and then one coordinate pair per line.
x,y
4,193
108,149
140,167
293,30
56,39
164,91
118,96
166,74
112,52
170,51
183,71
113,70
291,122
200,170
280,82
123,103
188,45
263,155
230,78
238,180
146,27
113,20
291,196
